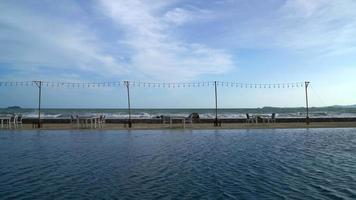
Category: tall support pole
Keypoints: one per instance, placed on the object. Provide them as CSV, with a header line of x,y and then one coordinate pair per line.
x,y
216,121
127,83
307,120
39,85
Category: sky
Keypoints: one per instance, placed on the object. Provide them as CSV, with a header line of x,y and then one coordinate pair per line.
x,y
250,41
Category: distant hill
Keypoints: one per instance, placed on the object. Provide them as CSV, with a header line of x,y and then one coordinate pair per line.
x,y
14,107
345,106
334,106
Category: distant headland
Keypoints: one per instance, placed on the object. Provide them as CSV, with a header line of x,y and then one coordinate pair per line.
x,y
14,107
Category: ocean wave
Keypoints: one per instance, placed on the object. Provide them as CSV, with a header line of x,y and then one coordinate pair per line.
x,y
43,115
153,113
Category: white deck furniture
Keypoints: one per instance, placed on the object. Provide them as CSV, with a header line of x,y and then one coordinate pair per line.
x,y
13,121
272,119
250,118
265,118
102,120
87,121
5,120
19,121
184,120
166,119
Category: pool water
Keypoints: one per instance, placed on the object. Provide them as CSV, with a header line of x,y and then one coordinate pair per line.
x,y
178,164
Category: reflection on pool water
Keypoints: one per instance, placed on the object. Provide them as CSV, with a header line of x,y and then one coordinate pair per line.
x,y
178,164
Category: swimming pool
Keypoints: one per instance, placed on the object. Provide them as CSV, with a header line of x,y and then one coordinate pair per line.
x,y
177,164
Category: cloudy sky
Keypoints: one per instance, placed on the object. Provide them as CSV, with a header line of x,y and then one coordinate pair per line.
x,y
252,41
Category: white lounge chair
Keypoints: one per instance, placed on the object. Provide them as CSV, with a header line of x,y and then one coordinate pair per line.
x,y
191,118
250,119
19,121
273,118
13,122
73,120
102,121
165,119
5,122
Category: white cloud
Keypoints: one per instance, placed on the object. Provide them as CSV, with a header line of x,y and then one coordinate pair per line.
x,y
156,51
33,43
320,23
323,26
179,16
304,7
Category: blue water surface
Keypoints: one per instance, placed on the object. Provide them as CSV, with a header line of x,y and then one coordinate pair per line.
x,y
178,164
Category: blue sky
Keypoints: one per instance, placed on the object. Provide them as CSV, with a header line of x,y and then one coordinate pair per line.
x,y
179,40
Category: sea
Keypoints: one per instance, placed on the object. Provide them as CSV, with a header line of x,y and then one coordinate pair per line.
x,y
323,112
268,164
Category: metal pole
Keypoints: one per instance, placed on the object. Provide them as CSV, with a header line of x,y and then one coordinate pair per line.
x,y
127,83
39,85
307,120
216,123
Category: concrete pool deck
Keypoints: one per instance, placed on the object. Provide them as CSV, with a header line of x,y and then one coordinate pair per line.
x,y
194,126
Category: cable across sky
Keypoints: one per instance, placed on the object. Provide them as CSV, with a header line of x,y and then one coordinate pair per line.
x,y
142,84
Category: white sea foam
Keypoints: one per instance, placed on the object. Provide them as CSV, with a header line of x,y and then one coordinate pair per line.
x,y
43,115
152,113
